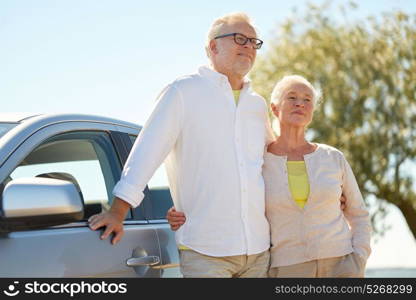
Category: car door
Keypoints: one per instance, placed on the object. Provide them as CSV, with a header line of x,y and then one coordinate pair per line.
x,y
156,203
92,153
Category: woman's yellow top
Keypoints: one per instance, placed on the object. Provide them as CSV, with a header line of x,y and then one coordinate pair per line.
x,y
298,181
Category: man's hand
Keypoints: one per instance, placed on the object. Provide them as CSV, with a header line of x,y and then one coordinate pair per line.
x,y
112,220
175,218
343,201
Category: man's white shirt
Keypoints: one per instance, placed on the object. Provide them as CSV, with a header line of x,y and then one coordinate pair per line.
x,y
213,153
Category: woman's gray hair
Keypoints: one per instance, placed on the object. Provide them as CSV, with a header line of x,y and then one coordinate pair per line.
x,y
284,83
218,24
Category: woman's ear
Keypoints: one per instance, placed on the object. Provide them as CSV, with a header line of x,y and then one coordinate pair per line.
x,y
275,109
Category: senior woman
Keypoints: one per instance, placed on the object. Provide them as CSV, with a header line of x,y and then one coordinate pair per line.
x,y
311,236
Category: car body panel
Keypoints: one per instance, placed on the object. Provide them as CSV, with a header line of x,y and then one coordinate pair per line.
x,y
75,252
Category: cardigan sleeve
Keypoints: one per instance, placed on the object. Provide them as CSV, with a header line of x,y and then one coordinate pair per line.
x,y
155,141
270,136
356,212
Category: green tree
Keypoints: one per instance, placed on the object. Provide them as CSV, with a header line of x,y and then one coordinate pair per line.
x,y
366,71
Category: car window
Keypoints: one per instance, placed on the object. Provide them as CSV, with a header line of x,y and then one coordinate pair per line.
x,y
158,192
87,157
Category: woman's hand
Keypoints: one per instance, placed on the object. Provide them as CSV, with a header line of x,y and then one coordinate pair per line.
x,y
175,218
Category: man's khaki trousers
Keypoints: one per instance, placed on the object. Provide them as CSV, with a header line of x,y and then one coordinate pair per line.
x,y
194,264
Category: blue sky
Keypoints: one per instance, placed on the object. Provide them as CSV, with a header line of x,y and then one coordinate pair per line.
x,y
113,57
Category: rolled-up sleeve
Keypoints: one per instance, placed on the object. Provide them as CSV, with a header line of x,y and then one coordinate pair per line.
x,y
356,213
155,141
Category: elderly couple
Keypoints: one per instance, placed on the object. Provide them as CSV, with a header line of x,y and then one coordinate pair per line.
x,y
255,205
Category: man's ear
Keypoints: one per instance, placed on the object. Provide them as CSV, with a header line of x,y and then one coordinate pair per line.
x,y
213,46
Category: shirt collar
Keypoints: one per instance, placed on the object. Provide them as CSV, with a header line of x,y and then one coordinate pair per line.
x,y
220,79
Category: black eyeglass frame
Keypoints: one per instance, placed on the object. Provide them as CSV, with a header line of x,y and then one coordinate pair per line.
x,y
257,43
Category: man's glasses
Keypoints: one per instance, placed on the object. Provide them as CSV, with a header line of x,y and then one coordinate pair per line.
x,y
241,39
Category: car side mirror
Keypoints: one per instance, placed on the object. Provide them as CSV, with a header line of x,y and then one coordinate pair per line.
x,y
36,202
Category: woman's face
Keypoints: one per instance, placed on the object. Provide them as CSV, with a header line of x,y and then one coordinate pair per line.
x,y
296,106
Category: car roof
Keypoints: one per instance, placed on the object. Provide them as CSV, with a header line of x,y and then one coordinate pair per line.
x,y
20,117
15,117
25,124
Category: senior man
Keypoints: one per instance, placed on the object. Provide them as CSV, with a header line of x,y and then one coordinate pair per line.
x,y
211,130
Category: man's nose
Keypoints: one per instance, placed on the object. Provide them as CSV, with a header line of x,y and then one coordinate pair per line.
x,y
249,45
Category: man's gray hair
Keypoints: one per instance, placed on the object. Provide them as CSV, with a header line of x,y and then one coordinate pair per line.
x,y
218,24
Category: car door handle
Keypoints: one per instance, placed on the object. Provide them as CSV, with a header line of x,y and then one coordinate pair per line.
x,y
143,261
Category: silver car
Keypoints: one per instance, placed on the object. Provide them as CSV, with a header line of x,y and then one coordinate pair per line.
x,y
55,172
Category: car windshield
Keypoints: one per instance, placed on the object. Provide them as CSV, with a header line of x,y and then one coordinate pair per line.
x,y
4,127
